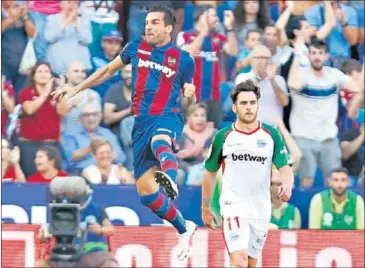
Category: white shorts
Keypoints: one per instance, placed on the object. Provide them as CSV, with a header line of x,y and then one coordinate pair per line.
x,y
240,233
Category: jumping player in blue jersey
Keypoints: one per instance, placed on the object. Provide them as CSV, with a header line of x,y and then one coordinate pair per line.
x,y
162,83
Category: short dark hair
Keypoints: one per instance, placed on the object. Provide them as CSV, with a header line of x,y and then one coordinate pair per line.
x,y
317,43
294,23
350,65
52,154
270,25
257,30
246,86
169,14
340,170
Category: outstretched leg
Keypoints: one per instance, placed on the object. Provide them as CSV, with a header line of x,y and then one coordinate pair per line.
x,y
150,196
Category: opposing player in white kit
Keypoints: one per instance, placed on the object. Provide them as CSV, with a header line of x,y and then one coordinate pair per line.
x,y
245,151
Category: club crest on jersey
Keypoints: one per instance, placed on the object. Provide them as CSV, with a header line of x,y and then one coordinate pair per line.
x,y
261,143
171,61
153,65
348,219
216,40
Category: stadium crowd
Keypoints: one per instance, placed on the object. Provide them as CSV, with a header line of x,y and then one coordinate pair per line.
x,y
51,44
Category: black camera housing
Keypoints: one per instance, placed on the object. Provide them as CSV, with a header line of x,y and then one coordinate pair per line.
x,y
65,228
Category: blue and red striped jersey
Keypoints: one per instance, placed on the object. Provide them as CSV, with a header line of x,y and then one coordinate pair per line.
x,y
158,76
207,77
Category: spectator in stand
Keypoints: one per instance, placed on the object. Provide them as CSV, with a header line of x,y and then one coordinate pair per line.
x,y
16,28
68,35
337,208
196,172
284,215
10,168
118,100
352,146
315,109
39,11
7,103
344,35
138,12
296,30
243,62
75,75
48,162
78,147
104,171
205,45
250,15
352,68
111,45
103,17
41,120
196,132
271,41
274,93
359,7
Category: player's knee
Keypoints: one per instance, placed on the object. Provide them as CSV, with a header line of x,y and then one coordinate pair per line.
x,y
109,264
239,258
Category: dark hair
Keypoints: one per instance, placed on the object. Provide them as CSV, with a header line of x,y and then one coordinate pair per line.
x,y
262,18
169,14
340,170
31,82
246,86
52,154
257,30
199,10
350,65
317,43
294,23
270,25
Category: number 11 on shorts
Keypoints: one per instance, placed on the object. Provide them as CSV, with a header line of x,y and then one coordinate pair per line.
x,y
236,222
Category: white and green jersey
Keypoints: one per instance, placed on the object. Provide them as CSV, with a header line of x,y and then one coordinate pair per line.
x,y
246,160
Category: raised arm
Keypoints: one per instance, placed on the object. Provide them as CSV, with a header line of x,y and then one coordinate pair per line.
x,y
93,80
329,23
283,21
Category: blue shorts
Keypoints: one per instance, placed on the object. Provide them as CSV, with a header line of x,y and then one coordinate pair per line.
x,y
145,128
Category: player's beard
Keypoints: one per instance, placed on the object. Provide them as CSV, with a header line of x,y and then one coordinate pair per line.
x,y
243,119
316,67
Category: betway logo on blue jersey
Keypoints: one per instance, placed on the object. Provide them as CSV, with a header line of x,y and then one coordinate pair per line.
x,y
248,157
153,65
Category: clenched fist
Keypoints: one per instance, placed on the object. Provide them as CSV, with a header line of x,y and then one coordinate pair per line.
x,y
189,90
189,95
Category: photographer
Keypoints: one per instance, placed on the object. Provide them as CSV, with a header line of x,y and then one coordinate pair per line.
x,y
99,228
41,120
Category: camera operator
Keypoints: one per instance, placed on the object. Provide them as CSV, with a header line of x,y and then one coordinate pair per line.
x,y
99,228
